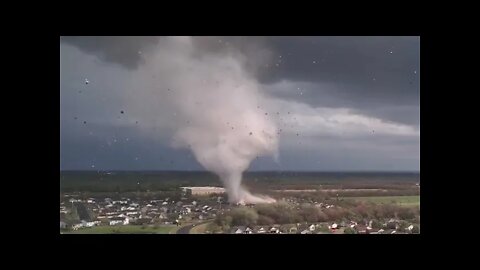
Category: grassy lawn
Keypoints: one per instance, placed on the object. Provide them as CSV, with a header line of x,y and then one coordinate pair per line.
x,y
400,200
199,229
126,229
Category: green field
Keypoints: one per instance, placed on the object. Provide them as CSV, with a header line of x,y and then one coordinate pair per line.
x,y
126,229
199,229
400,200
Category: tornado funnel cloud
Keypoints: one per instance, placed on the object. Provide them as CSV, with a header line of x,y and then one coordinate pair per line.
x,y
215,102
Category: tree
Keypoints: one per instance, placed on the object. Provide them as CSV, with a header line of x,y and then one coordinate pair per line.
x,y
244,216
264,220
376,224
349,230
310,213
405,213
391,225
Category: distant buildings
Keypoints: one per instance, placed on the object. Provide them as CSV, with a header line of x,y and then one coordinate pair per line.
x,y
203,190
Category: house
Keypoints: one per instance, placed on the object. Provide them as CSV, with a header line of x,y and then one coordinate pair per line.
x,y
115,222
305,232
312,228
248,230
410,227
261,230
77,226
362,229
334,226
293,230
91,224
238,231
63,225
274,230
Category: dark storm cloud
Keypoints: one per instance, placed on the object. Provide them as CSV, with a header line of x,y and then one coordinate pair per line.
x,y
125,51
373,76
378,76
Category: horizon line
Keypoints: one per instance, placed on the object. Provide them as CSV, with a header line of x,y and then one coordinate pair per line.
x,y
277,171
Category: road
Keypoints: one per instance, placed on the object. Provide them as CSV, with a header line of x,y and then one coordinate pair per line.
x,y
82,212
186,229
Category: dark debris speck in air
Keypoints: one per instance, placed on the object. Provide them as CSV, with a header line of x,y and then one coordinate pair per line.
x,y
266,113
251,133
84,122
121,112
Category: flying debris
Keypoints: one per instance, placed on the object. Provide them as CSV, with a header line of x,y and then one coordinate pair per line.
x,y
251,133
75,118
136,122
86,81
266,113
84,122
121,112
415,72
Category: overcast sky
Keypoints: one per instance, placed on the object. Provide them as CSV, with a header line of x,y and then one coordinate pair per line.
x,y
344,103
